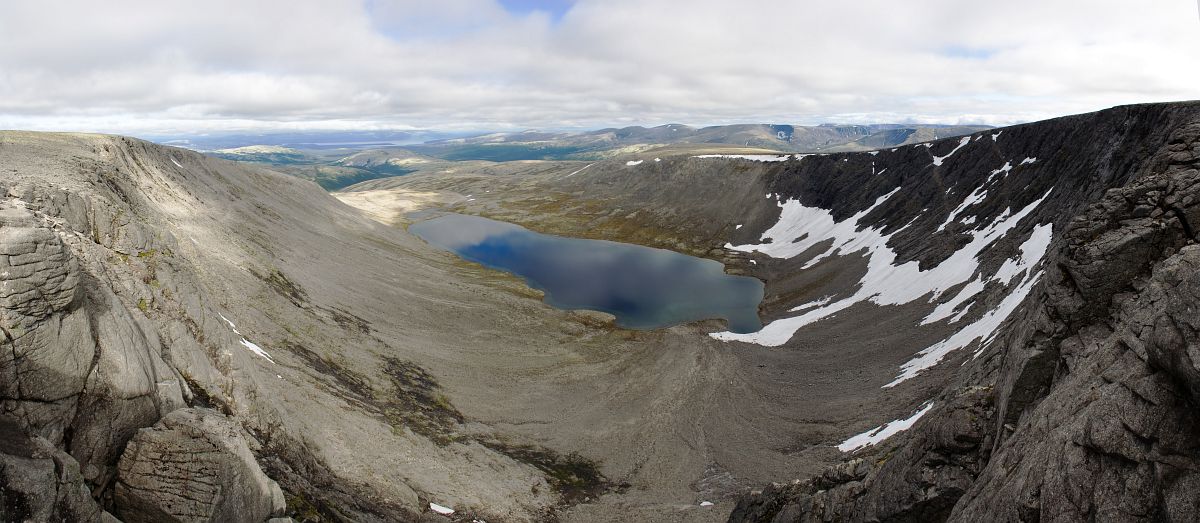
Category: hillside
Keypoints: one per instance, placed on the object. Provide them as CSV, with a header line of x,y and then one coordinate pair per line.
x,y
337,166
1005,295
603,143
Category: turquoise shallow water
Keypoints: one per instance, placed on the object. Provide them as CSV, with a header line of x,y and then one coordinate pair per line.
x,y
644,288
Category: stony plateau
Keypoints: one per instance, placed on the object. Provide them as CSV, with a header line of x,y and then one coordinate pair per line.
x,y
994,326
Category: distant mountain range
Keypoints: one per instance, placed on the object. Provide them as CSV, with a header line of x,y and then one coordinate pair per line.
x,y
337,160
315,140
786,138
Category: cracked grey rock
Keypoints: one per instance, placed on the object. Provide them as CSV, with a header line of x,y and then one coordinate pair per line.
x,y
193,465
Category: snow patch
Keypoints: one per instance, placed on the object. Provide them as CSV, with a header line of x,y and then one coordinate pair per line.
x,y
706,504
975,197
445,511
631,163
1032,252
814,303
946,309
176,162
247,343
738,226
753,157
984,328
1028,160
1006,168
937,160
996,135
883,432
962,313
801,227
256,349
578,171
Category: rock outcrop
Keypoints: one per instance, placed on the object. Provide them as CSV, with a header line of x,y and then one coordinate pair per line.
x,y
41,482
1085,408
193,465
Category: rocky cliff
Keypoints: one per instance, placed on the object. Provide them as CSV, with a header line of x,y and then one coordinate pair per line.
x,y
1083,408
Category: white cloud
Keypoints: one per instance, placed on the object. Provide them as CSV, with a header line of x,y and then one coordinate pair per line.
x,y
194,66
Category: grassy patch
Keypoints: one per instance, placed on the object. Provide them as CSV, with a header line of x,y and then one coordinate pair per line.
x,y
284,286
502,152
341,180
417,403
349,321
575,477
352,387
302,510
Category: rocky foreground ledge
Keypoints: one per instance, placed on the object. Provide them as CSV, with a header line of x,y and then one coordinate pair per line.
x,y
89,400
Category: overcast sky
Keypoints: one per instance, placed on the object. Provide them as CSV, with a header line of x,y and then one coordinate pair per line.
x,y
182,67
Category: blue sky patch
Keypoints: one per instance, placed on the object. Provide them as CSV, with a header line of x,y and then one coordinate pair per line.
x,y
969,53
555,8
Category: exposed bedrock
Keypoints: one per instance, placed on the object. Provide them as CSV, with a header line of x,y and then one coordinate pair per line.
x,y
83,364
193,465
1085,409
80,371
41,482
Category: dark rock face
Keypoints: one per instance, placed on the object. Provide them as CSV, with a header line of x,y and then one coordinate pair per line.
x,y
918,482
1086,407
193,465
40,482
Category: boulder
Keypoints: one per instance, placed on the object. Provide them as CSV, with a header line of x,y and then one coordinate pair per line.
x,y
193,465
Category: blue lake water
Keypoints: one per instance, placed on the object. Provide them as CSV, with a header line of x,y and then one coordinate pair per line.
x,y
644,288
